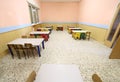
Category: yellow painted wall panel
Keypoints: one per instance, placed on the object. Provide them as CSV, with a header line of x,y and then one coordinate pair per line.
x,y
96,33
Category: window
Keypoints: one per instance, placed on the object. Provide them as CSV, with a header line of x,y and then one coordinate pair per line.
x,y
33,13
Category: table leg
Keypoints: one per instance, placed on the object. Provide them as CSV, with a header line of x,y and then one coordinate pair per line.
x,y
43,44
38,48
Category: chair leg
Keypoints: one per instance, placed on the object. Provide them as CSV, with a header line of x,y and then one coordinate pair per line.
x,y
33,53
28,52
18,54
24,54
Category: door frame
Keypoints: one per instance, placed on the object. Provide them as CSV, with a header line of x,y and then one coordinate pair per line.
x,y
108,42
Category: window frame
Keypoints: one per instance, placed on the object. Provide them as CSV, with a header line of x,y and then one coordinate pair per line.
x,y
34,16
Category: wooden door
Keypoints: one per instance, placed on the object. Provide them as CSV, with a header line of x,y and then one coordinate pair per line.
x,y
115,54
114,30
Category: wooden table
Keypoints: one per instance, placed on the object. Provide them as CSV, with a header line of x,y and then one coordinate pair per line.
x,y
40,32
80,31
70,29
59,28
44,34
49,27
58,73
40,29
34,41
75,28
77,33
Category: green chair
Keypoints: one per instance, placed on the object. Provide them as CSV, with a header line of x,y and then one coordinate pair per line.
x,y
83,36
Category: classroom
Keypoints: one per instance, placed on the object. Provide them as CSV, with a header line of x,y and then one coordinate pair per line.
x,y
60,41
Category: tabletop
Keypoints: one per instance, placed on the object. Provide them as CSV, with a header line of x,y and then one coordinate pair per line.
x,y
75,28
44,28
58,73
40,32
81,31
33,41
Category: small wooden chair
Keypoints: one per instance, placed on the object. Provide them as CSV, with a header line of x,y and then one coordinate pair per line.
x,y
38,29
39,36
12,49
24,36
76,35
88,35
32,36
30,48
31,77
20,48
96,78
83,36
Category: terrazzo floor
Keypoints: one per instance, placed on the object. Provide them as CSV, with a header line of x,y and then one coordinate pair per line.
x,y
91,56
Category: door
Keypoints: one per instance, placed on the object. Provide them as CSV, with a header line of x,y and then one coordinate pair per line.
x,y
114,30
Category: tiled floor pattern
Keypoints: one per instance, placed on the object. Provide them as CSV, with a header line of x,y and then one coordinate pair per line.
x,y
91,56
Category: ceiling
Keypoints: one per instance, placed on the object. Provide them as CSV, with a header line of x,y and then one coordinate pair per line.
x,y
59,0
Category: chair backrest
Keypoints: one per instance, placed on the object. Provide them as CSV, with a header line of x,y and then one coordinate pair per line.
x,y
18,46
96,78
82,35
49,27
32,36
11,46
88,33
38,29
24,36
31,77
28,45
46,30
39,36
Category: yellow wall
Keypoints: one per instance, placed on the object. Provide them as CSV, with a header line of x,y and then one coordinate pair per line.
x,y
96,33
9,36
54,25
